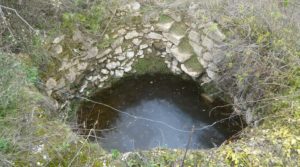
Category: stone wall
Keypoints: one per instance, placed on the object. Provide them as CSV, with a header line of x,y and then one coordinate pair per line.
x,y
186,47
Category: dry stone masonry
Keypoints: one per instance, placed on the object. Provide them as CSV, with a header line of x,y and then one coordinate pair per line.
x,y
186,48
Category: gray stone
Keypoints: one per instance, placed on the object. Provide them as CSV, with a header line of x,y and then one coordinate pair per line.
x,y
104,78
143,46
119,73
130,54
112,65
212,67
190,72
180,56
57,49
175,39
127,68
122,32
91,53
106,52
71,76
118,50
131,35
57,40
83,86
135,6
208,43
82,66
140,52
194,36
203,62
136,41
104,71
164,27
155,36
121,57
218,58
51,84
197,48
207,56
211,74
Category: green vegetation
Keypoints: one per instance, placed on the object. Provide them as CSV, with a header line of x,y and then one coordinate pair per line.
x,y
262,67
150,64
193,63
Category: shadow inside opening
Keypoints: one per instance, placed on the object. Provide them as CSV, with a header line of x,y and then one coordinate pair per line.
x,y
156,111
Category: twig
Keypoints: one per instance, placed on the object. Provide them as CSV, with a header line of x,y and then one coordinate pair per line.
x,y
17,13
70,164
187,146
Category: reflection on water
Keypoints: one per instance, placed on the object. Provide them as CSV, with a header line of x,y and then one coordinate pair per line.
x,y
164,108
134,133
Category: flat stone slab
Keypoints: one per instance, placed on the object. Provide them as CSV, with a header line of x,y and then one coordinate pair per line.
x,y
180,56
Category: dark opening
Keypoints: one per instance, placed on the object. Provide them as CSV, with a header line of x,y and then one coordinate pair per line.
x,y
156,111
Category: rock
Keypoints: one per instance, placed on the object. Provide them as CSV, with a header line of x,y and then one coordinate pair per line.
x,y
91,53
112,65
149,50
118,50
140,52
136,41
104,71
180,56
106,52
135,6
57,49
121,57
57,40
51,84
119,73
130,54
192,67
164,27
131,35
211,74
155,36
197,48
104,78
190,72
127,68
143,46
217,58
212,67
71,76
203,62
211,29
159,46
208,43
175,39
118,42
207,56
122,32
194,36
82,66
83,86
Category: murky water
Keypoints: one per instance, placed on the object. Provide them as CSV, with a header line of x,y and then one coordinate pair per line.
x,y
155,111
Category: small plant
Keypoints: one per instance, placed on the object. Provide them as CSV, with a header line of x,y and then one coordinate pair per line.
x,y
115,153
4,145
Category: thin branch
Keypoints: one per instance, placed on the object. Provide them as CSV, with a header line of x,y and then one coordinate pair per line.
x,y
187,146
17,13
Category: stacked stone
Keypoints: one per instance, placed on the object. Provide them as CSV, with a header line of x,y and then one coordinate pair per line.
x,y
193,49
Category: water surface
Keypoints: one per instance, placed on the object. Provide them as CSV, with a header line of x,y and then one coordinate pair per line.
x,y
155,111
